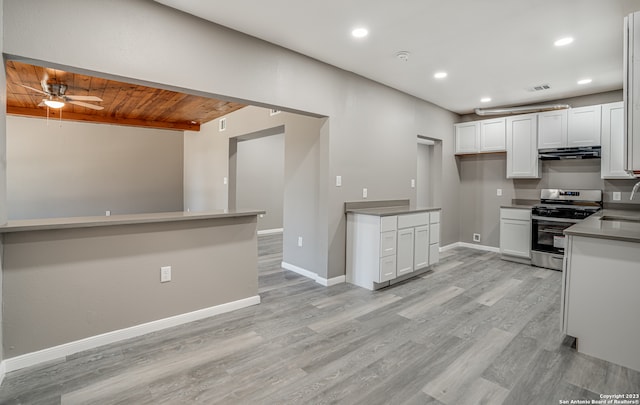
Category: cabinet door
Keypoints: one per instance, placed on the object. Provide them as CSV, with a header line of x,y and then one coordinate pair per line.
x,y
522,151
467,137
552,129
405,251
515,237
612,162
387,269
421,247
584,126
492,135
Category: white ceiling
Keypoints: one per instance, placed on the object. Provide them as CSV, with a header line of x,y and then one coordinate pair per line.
x,y
489,48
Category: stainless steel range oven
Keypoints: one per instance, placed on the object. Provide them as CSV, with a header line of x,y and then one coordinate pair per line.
x,y
558,210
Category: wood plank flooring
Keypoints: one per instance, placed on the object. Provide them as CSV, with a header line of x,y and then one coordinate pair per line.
x,y
474,330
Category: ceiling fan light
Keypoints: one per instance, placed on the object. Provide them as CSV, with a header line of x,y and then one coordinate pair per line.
x,y
54,103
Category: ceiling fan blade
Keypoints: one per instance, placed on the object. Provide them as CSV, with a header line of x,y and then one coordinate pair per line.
x,y
36,90
82,98
87,105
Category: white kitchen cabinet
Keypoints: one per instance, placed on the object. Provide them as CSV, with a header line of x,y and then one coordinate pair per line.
x,y
467,137
480,136
381,249
522,147
492,135
631,89
515,234
405,251
583,126
552,129
612,161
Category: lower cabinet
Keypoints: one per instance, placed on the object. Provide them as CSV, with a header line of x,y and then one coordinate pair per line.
x,y
381,249
515,234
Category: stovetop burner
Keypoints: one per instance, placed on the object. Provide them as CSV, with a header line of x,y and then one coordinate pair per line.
x,y
573,204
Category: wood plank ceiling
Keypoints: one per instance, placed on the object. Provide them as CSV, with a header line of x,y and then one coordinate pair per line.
x,y
124,103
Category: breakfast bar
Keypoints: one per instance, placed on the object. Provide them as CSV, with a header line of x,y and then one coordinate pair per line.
x,y
73,283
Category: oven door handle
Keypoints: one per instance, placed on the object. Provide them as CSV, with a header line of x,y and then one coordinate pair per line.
x,y
565,220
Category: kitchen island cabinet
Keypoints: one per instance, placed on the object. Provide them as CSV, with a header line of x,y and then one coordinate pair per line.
x,y
374,261
601,280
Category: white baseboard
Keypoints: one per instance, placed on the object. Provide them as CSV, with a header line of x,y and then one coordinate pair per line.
x,y
470,246
56,352
309,274
270,231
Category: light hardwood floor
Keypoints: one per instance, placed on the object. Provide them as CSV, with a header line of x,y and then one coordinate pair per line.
x,y
475,330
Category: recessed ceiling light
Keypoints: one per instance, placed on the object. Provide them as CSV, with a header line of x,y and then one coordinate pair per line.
x,y
485,99
360,32
440,75
584,81
563,41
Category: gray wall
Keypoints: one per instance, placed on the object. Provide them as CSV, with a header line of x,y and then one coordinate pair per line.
x,y
69,284
260,178
81,169
207,163
369,138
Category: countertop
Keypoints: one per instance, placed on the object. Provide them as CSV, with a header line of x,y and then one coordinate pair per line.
x,y
88,222
389,211
594,227
517,206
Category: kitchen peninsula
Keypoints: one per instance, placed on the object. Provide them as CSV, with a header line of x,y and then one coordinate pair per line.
x,y
76,283
600,286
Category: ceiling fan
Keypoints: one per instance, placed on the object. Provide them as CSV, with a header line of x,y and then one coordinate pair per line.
x,y
57,97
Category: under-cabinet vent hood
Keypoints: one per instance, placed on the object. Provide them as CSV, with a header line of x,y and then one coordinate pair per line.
x,y
586,152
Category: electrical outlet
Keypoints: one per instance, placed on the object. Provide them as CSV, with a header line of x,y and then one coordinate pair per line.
x,y
338,181
364,193
107,213
225,180
299,241
499,192
616,196
476,237
413,183
261,215
165,274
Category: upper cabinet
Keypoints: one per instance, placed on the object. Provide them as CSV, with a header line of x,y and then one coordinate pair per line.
x,y
522,151
569,128
631,86
492,135
467,137
552,129
481,136
612,165
583,126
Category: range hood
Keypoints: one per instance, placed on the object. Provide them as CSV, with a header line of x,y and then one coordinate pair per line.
x,y
583,152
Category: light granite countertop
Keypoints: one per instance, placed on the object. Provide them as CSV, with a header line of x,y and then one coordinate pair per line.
x,y
389,211
517,206
97,221
623,225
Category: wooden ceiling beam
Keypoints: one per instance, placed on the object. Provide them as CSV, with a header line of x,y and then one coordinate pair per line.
x,y
73,116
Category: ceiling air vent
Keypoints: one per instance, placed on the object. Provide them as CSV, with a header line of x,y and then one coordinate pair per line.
x,y
540,87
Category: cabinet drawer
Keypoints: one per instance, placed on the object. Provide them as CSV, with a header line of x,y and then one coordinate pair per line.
x,y
387,243
388,223
387,268
413,220
434,217
513,213
434,233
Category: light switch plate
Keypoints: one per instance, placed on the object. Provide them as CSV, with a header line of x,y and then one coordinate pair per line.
x,y
364,193
499,192
165,274
299,241
338,181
